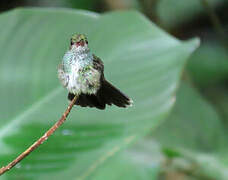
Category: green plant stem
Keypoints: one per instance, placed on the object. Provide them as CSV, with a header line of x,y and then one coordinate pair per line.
x,y
215,21
40,140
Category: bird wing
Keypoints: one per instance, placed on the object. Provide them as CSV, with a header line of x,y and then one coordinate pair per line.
x,y
98,65
109,94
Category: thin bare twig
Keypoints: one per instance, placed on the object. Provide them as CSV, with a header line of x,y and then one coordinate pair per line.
x,y
41,140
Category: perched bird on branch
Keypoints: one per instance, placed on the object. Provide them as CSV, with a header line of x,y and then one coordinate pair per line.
x,y
82,74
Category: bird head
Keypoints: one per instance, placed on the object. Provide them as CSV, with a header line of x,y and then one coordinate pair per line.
x,y
78,40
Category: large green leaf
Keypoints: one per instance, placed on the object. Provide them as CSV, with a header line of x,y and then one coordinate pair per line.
x,y
209,64
191,144
143,161
218,95
195,133
139,58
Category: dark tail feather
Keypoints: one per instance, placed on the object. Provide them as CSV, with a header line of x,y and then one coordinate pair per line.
x,y
107,94
85,100
111,95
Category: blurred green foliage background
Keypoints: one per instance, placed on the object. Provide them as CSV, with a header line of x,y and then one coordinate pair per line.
x,y
190,141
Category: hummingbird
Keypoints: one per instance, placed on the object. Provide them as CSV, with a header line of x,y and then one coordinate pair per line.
x,y
82,74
